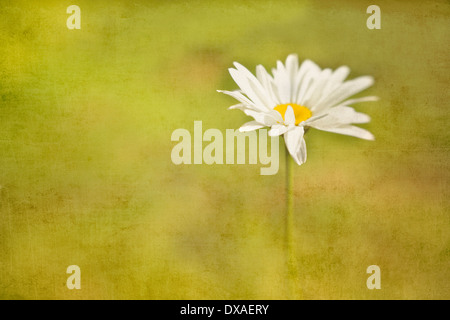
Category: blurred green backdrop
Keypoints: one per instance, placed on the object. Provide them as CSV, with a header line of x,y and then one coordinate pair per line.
x,y
86,175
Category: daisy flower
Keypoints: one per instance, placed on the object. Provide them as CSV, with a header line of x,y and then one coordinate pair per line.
x,y
295,98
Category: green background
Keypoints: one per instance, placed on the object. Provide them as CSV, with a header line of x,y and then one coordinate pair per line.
x,y
86,176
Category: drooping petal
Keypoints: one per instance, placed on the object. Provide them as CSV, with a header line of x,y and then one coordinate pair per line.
x,y
301,153
250,126
295,144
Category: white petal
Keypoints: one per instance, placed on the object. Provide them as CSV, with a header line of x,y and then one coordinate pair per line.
x,y
357,100
314,94
282,82
262,74
241,98
276,116
350,131
307,72
292,63
296,144
254,86
289,116
276,94
308,66
267,82
277,130
340,115
349,115
301,153
258,116
243,83
347,89
292,70
250,126
261,117
336,79
239,106
313,119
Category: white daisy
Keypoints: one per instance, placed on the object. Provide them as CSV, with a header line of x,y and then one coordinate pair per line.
x,y
295,98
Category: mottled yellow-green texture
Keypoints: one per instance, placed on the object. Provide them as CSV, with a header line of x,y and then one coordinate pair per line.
x,y
86,176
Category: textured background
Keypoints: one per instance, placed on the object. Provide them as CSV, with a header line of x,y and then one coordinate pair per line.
x,y
86,176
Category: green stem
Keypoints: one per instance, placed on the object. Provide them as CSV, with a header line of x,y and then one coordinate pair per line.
x,y
289,199
290,256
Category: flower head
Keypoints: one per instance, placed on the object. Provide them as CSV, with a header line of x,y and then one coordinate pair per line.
x,y
295,98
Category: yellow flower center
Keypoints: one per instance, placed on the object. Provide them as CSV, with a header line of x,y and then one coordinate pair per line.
x,y
301,113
